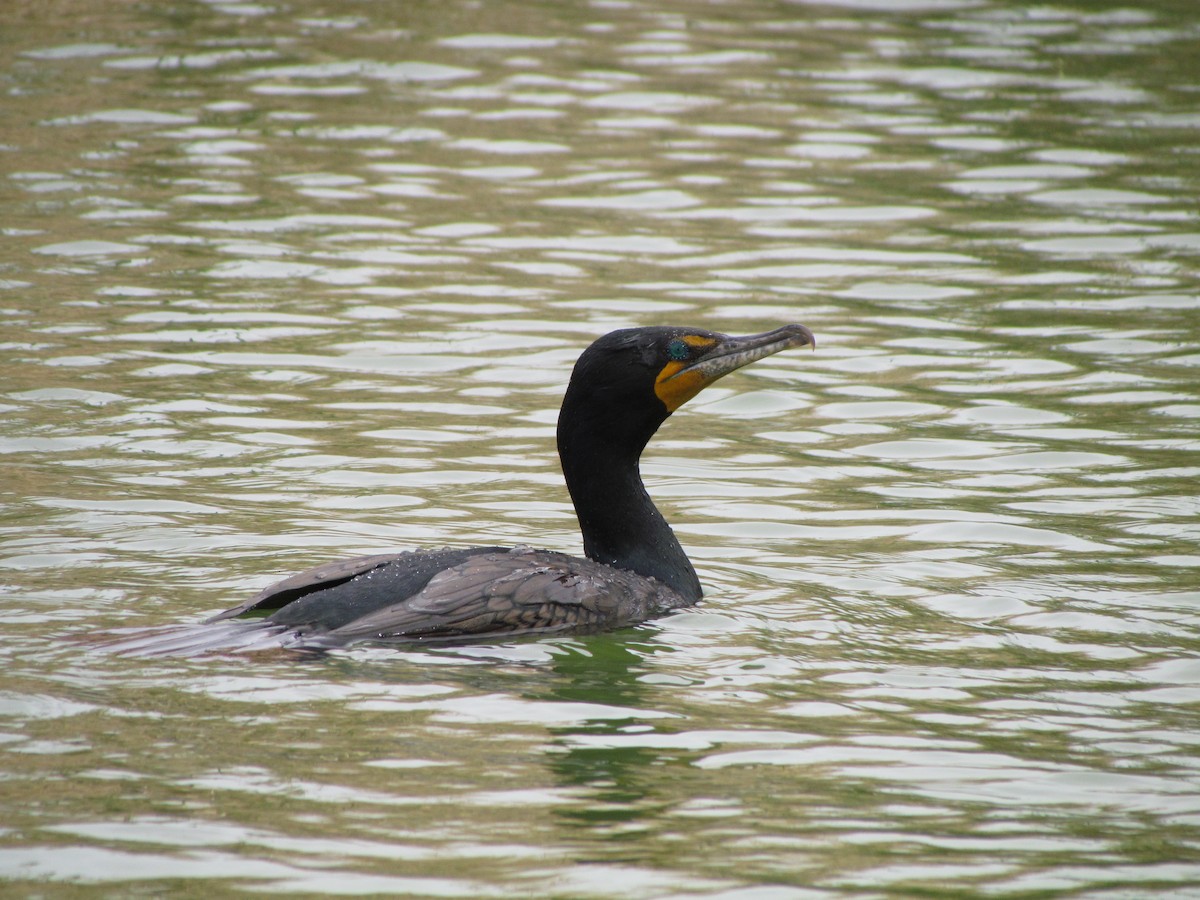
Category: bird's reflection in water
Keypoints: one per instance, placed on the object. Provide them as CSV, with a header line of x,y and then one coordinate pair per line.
x,y
620,781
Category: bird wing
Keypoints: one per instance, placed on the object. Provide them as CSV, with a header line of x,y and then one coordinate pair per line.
x,y
511,592
324,576
410,570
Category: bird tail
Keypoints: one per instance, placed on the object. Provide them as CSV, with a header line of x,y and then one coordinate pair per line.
x,y
195,640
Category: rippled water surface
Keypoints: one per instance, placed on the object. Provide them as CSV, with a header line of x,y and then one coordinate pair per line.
x,y
284,283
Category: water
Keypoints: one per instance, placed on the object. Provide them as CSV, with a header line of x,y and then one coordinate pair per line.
x,y
281,285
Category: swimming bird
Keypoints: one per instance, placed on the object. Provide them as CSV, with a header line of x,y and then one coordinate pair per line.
x,y
623,387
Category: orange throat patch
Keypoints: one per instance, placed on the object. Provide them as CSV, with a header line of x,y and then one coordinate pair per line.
x,y
675,389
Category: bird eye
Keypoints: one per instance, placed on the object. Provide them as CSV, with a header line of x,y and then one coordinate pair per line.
x,y
678,349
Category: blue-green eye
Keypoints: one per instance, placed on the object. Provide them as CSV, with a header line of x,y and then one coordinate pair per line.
x,y
678,349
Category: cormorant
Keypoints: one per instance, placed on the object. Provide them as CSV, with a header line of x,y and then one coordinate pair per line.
x,y
622,389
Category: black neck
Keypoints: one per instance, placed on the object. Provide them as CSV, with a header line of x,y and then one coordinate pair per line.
x,y
621,525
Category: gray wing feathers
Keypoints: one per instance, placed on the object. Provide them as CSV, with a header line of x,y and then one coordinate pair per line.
x,y
513,592
277,594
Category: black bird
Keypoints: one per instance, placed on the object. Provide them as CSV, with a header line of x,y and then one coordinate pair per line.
x,y
622,389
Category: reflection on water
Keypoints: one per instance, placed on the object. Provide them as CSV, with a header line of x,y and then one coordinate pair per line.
x,y
280,285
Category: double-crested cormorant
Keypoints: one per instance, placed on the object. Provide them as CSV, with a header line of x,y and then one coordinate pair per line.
x,y
622,389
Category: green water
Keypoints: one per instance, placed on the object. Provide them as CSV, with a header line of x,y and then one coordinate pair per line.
x,y
286,283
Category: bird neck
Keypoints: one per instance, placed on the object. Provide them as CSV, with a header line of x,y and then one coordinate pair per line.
x,y
621,526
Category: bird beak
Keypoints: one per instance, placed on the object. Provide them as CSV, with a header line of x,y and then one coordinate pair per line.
x,y
678,383
730,353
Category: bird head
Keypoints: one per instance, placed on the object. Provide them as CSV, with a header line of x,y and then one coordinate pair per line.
x,y
627,382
